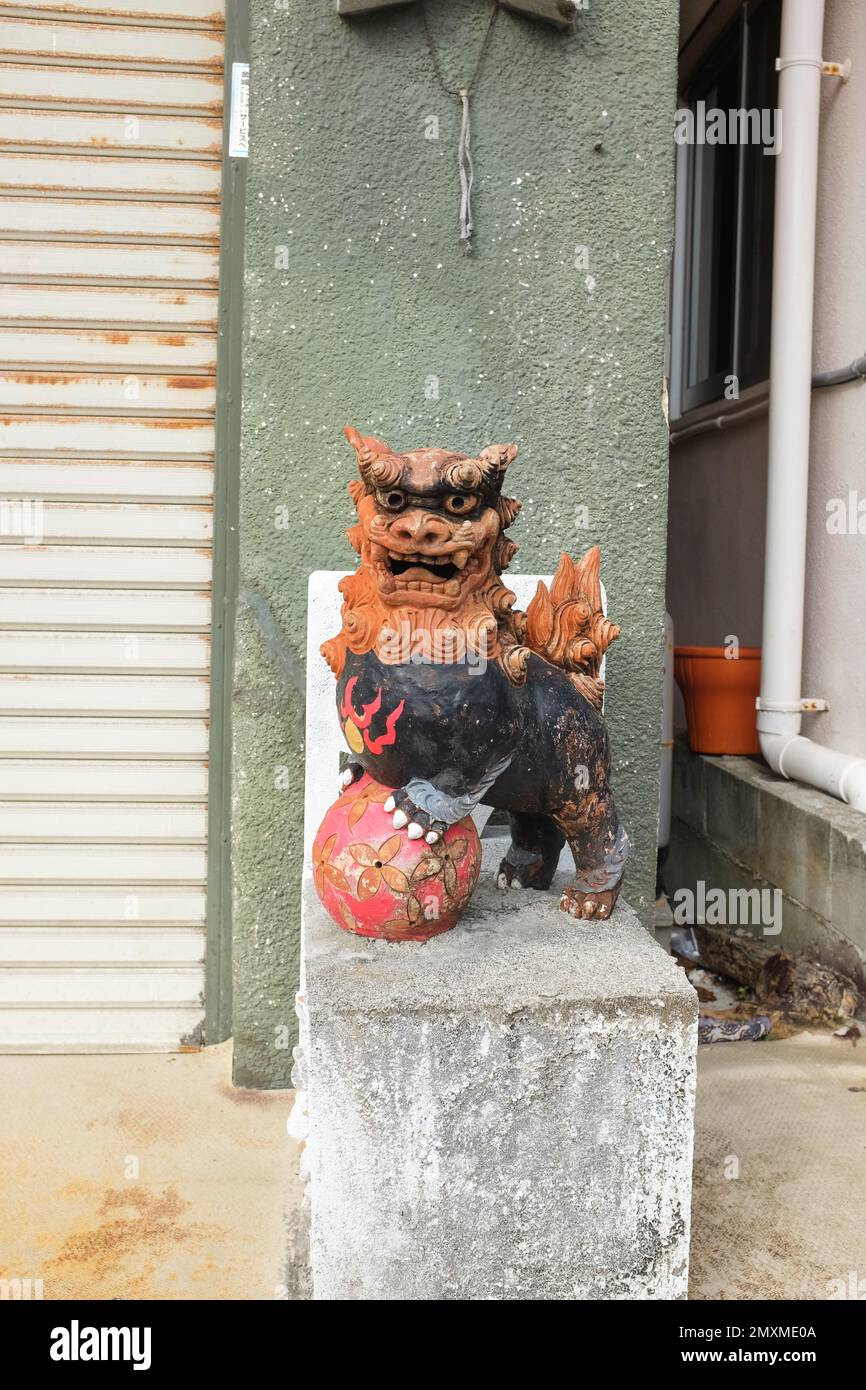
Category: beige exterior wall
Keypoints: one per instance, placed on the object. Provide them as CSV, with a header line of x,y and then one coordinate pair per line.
x,y
718,481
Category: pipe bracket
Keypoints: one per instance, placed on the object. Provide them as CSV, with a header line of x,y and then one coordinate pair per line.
x,y
803,706
825,66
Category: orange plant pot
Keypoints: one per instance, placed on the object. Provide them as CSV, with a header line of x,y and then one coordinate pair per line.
x,y
719,694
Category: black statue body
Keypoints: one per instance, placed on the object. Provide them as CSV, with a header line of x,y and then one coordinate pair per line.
x,y
453,698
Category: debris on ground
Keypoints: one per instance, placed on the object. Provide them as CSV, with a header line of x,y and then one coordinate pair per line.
x,y
711,1030
710,988
747,988
683,944
802,989
705,984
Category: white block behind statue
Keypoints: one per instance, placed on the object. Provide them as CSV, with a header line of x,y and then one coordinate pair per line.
x,y
504,1112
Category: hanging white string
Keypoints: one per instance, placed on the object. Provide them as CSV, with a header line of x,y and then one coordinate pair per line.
x,y
464,161
464,148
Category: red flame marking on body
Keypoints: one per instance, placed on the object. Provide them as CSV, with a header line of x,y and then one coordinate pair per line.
x,y
361,721
376,745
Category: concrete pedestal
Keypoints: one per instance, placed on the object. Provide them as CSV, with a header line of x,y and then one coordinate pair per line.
x,y
505,1112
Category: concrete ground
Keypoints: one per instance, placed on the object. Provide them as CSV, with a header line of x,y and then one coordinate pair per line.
x,y
780,1169
152,1177
145,1177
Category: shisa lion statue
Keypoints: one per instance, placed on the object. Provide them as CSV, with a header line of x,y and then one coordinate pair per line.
x,y
451,696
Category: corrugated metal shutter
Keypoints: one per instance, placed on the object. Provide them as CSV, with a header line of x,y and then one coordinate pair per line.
x,y
110,146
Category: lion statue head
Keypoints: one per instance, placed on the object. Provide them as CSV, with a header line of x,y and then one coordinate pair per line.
x,y
430,536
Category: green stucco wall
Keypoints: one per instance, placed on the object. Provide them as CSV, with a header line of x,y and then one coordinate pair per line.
x,y
551,335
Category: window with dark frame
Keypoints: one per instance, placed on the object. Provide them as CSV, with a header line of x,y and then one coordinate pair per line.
x,y
723,256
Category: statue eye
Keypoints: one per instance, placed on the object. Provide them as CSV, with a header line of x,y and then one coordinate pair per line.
x,y
459,502
391,498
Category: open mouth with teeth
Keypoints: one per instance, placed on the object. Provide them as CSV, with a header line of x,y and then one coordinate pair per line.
x,y
429,573
425,567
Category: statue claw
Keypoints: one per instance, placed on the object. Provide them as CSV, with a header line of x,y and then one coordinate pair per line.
x,y
530,874
421,822
587,907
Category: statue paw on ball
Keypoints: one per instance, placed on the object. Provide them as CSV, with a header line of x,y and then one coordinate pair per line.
x,y
375,881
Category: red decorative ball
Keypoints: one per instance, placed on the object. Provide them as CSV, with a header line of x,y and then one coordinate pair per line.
x,y
375,881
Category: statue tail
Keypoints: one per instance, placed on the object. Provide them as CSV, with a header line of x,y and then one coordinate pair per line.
x,y
566,624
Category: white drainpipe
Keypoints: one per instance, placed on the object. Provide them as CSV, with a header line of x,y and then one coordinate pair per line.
x,y
781,705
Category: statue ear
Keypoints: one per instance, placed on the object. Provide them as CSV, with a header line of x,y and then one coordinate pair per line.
x,y
495,459
377,463
353,437
366,446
